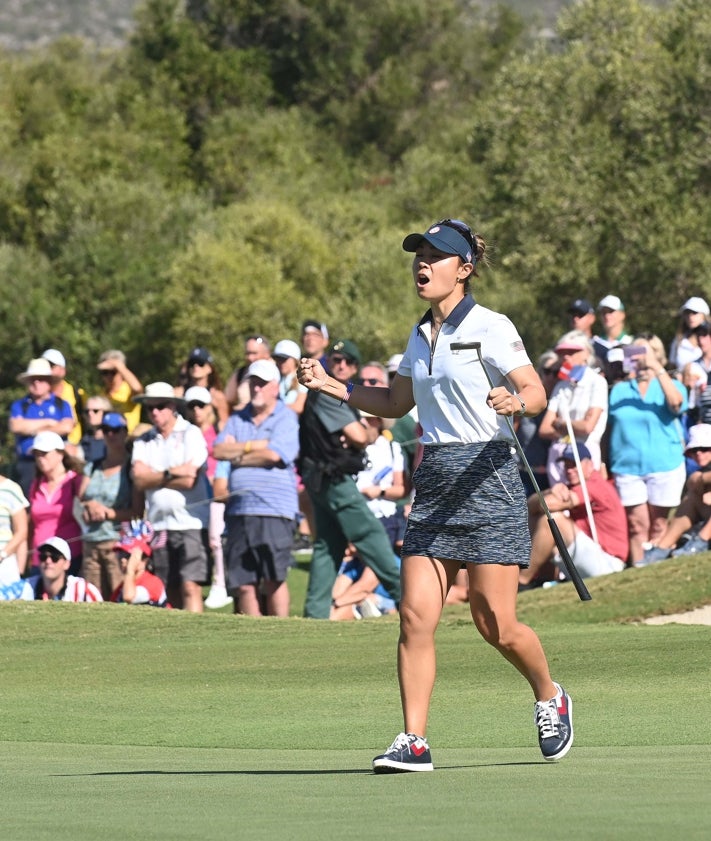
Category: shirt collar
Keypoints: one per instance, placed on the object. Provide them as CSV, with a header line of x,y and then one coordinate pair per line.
x,y
458,314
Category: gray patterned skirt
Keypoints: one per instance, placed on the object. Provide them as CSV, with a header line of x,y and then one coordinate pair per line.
x,y
470,506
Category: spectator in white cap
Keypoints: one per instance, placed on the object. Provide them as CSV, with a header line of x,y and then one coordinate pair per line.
x,y
287,354
314,341
76,397
693,514
53,495
612,314
199,409
168,464
258,449
54,582
685,345
38,411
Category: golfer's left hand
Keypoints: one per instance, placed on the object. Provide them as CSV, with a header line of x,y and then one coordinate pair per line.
x,y
502,401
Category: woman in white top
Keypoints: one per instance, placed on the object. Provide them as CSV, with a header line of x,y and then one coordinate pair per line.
x,y
580,395
685,346
469,506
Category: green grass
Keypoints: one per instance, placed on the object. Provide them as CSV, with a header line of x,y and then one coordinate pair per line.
x,y
126,723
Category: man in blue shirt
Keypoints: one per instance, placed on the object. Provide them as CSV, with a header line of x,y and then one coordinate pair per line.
x,y
38,411
257,451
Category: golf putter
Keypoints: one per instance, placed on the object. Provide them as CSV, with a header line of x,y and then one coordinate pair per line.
x,y
570,568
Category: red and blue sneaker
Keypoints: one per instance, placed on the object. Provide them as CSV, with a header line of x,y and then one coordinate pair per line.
x,y
407,753
554,720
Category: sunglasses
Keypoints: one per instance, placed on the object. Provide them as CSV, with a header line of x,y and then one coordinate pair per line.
x,y
94,411
196,404
371,381
340,360
460,227
54,557
694,450
194,362
112,430
158,406
107,373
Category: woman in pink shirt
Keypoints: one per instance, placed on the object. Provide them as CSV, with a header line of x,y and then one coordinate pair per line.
x,y
52,497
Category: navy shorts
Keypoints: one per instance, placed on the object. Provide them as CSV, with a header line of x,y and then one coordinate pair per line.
x,y
258,549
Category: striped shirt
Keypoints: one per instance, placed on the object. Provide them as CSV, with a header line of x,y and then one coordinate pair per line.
x,y
265,491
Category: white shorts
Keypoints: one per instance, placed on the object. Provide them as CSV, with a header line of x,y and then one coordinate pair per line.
x,y
589,558
661,489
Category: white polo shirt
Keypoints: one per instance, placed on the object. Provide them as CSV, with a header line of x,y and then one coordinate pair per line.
x,y
170,508
449,386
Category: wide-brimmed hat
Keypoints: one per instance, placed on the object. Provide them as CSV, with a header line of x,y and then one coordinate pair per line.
x,y
158,392
38,368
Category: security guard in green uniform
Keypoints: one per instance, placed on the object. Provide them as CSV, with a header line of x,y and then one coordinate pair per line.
x,y
332,440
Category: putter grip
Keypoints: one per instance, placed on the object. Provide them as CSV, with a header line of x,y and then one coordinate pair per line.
x,y
573,573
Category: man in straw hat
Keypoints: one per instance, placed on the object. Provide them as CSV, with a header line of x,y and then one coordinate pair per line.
x,y
38,411
168,464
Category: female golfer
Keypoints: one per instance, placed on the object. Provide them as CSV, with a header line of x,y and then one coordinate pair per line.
x,y
470,506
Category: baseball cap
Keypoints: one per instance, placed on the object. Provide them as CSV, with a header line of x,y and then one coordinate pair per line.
x,y
114,419
694,304
55,357
581,306
348,348
311,325
197,394
287,348
264,369
200,355
446,239
59,545
611,302
46,442
569,453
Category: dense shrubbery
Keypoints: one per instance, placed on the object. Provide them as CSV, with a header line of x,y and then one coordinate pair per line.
x,y
243,165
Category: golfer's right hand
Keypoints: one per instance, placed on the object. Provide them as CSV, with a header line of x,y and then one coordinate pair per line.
x,y
312,374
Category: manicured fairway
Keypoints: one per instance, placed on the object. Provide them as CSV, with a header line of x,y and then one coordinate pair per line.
x,y
135,723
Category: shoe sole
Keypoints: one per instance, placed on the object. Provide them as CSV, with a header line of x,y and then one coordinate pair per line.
x,y
569,744
390,766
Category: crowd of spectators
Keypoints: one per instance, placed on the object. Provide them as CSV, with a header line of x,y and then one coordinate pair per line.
x,y
226,476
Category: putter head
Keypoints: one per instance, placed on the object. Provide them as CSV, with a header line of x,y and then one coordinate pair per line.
x,y
455,346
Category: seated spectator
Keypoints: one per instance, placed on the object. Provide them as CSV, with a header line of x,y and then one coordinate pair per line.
x,y
693,514
566,502
54,496
139,585
38,411
108,499
200,371
13,530
646,448
580,395
76,397
685,345
54,582
92,446
357,592
120,385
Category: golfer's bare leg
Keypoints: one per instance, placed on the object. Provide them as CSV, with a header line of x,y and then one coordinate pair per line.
x,y
425,582
492,598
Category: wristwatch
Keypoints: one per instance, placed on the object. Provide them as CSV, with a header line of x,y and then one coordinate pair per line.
x,y
522,411
167,476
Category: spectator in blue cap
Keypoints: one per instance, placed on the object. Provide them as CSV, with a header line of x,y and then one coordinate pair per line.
x,y
108,498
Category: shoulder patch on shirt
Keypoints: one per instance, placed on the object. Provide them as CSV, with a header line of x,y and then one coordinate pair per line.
x,y
517,345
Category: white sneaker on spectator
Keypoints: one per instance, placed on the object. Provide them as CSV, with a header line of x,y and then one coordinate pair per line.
x,y
369,610
217,597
